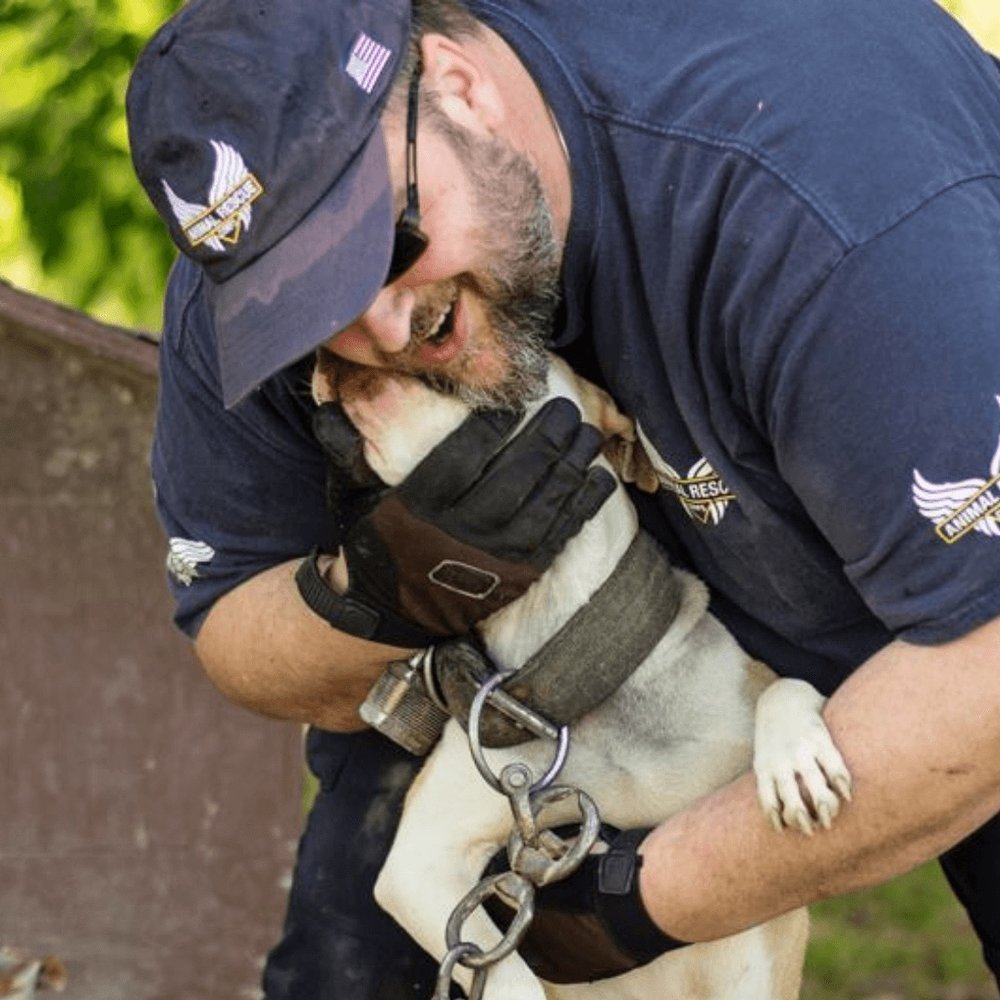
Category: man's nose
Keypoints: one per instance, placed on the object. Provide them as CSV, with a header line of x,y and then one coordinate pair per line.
x,y
386,322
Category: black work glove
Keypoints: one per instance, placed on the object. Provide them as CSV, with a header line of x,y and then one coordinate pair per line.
x,y
592,925
352,488
468,531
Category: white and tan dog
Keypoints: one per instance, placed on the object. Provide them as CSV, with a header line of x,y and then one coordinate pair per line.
x,y
694,715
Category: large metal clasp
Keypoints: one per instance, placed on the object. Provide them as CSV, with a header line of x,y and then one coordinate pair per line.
x,y
483,695
537,855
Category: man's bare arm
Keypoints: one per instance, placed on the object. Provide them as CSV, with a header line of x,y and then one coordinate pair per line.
x,y
919,727
266,650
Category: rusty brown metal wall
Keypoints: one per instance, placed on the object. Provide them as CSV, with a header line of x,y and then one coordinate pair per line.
x,y
146,825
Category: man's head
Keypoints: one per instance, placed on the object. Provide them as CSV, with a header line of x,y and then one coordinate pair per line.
x,y
273,140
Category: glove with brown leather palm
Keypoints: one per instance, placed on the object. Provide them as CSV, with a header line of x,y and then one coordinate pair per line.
x,y
467,532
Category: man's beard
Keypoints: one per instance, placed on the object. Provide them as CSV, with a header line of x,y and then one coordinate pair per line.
x,y
520,286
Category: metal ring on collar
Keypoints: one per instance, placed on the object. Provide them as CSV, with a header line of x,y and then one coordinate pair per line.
x,y
475,745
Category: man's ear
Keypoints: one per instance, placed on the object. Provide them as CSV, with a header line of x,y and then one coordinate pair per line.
x,y
460,74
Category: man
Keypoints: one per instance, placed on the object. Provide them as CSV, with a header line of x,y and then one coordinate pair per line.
x,y
771,230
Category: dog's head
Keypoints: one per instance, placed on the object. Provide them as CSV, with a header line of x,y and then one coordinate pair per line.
x,y
337,380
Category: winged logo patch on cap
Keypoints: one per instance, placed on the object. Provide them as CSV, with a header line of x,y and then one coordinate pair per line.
x,y
228,212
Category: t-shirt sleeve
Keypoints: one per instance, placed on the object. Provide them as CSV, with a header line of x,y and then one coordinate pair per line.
x,y
237,491
884,412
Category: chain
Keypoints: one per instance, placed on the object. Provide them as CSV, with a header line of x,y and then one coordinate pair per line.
x,y
537,856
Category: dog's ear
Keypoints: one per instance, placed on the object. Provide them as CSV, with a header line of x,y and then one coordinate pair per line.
x,y
622,447
601,410
629,459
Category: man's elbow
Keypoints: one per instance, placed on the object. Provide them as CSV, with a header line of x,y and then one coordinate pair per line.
x,y
231,671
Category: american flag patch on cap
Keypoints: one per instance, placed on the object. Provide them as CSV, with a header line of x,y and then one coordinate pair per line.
x,y
367,61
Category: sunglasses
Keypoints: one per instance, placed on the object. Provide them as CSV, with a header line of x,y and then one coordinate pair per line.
x,y
410,240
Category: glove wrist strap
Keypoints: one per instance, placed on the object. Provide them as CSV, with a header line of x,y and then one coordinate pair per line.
x,y
346,613
620,905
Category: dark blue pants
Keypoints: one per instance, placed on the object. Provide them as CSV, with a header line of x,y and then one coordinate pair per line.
x,y
973,870
338,944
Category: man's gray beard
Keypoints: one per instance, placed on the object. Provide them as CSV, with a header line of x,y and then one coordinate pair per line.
x,y
520,289
522,329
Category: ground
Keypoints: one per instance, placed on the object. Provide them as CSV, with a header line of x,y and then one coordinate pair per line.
x,y
909,940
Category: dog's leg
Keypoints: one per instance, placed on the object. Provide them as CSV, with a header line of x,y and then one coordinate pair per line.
x,y
801,776
452,824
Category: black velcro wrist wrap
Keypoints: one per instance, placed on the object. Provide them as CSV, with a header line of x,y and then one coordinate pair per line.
x,y
619,904
346,613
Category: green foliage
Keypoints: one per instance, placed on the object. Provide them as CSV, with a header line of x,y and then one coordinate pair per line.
x,y
76,223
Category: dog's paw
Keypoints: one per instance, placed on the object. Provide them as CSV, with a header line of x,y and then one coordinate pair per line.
x,y
802,779
400,421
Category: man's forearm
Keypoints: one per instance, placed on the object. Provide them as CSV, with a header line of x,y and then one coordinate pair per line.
x,y
266,650
919,728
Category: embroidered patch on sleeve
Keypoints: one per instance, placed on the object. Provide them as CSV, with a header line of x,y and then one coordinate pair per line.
x,y
184,556
960,507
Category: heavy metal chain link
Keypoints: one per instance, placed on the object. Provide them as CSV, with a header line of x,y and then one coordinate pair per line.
x,y
537,856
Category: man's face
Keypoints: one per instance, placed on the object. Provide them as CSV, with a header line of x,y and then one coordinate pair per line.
x,y
474,313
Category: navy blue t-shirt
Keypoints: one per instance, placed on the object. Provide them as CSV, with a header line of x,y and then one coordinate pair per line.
x,y
784,261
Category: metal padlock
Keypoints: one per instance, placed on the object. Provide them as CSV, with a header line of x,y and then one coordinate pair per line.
x,y
399,707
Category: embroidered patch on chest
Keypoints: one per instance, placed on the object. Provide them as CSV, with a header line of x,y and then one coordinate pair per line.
x,y
960,507
702,492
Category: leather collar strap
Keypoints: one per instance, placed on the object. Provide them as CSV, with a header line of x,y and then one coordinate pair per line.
x,y
593,654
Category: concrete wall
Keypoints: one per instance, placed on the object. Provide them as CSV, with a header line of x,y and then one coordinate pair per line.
x,y
146,825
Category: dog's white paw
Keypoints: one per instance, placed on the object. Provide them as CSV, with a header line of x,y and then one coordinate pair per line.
x,y
400,421
801,777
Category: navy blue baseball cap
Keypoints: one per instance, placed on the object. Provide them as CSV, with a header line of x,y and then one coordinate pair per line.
x,y
254,130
